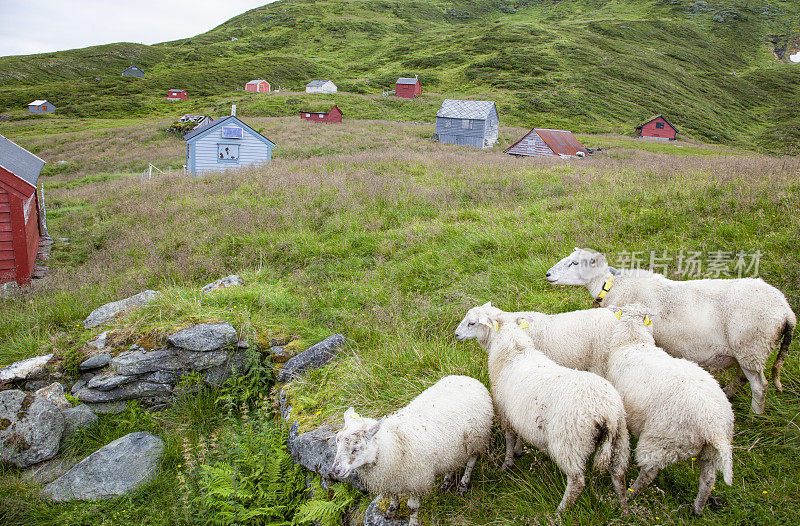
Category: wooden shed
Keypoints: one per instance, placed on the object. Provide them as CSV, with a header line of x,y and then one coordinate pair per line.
x,y
19,212
258,86
542,141
468,122
133,71
177,94
407,88
331,116
223,144
41,106
657,127
321,86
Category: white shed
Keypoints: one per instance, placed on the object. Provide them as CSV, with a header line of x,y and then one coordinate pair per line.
x,y
224,144
41,106
321,86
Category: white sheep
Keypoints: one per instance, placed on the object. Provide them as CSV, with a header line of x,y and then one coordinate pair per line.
x,y
676,409
567,413
443,429
717,323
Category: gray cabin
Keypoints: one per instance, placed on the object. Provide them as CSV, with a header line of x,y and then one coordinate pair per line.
x,y
468,122
133,71
224,144
41,106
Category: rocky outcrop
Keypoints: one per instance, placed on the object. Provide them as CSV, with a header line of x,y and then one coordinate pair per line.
x,y
30,428
312,358
228,281
204,337
29,369
108,311
112,470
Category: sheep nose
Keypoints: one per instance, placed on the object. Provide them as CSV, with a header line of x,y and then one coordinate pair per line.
x,y
547,275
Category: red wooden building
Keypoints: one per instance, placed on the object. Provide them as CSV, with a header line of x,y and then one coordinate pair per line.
x,y
258,86
330,116
177,94
407,88
657,127
19,212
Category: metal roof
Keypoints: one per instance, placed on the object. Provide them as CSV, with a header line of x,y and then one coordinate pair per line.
x,y
216,122
317,83
404,80
466,109
257,81
543,141
37,103
20,161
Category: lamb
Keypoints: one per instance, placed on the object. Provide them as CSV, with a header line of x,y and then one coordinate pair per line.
x,y
567,413
675,408
444,428
717,323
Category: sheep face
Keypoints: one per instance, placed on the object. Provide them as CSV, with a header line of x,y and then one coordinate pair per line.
x,y
579,268
635,322
477,323
355,444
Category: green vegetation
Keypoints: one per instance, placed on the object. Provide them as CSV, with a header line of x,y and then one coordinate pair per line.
x,y
593,66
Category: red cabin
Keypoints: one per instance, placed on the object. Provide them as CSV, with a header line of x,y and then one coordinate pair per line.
x,y
258,86
657,127
330,116
19,212
407,88
177,94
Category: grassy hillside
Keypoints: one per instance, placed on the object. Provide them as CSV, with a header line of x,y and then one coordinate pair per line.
x,y
589,65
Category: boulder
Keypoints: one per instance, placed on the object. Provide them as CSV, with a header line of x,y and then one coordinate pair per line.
x,y
228,281
75,419
55,393
204,337
25,369
279,354
112,470
95,362
375,516
30,428
107,312
132,363
315,450
49,470
108,381
312,358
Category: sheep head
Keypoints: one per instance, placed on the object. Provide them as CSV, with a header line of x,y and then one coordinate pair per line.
x,y
355,444
635,323
579,268
478,322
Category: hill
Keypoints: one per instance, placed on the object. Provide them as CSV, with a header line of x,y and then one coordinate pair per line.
x,y
716,68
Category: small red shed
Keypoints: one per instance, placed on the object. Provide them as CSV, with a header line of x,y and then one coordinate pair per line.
x,y
407,88
19,212
657,127
331,116
177,94
258,86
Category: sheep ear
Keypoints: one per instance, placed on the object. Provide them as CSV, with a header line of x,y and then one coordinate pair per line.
x,y
522,321
487,304
350,414
597,260
648,318
618,315
373,429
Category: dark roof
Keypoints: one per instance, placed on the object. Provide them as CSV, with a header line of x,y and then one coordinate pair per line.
x,y
466,109
404,80
20,161
216,122
559,142
654,117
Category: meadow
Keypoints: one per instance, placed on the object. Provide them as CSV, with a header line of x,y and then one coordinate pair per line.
x,y
371,230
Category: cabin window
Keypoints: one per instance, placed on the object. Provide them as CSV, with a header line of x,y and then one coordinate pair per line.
x,y
227,153
308,115
448,123
659,125
231,132
320,115
466,124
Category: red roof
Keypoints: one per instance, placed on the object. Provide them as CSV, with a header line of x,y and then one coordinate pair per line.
x,y
542,141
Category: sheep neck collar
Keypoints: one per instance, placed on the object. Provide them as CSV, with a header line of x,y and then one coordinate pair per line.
x,y
598,300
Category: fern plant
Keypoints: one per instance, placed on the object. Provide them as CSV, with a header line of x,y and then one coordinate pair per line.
x,y
327,508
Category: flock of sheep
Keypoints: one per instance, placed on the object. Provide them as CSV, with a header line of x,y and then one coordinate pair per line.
x,y
574,384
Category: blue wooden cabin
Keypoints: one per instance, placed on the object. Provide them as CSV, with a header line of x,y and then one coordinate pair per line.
x,y
223,144
468,122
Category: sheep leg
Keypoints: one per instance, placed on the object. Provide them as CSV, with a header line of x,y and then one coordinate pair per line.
x,y
464,484
391,511
708,475
758,383
575,484
510,443
448,481
646,476
734,384
518,447
413,505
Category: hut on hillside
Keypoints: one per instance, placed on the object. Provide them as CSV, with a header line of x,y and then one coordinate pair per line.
x,y
41,106
20,230
468,122
407,88
198,120
331,116
177,94
542,141
223,144
258,86
133,71
321,86
657,127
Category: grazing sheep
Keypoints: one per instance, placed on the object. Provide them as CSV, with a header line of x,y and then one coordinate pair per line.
x,y
440,431
567,413
578,339
717,323
675,408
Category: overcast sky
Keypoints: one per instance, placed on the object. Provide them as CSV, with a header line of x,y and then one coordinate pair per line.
x,y
38,26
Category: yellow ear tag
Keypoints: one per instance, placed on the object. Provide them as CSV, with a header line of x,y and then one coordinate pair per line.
x,y
647,320
618,314
496,325
524,324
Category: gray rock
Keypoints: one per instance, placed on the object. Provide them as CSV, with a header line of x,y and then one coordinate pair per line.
x,y
107,312
30,428
279,354
199,361
25,369
235,365
55,393
108,408
285,407
163,377
131,391
99,341
244,344
315,450
75,419
374,516
49,470
132,363
312,358
204,337
95,362
108,381
77,386
228,281
112,470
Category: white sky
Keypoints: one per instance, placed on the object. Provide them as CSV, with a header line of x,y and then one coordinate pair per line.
x,y
38,26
